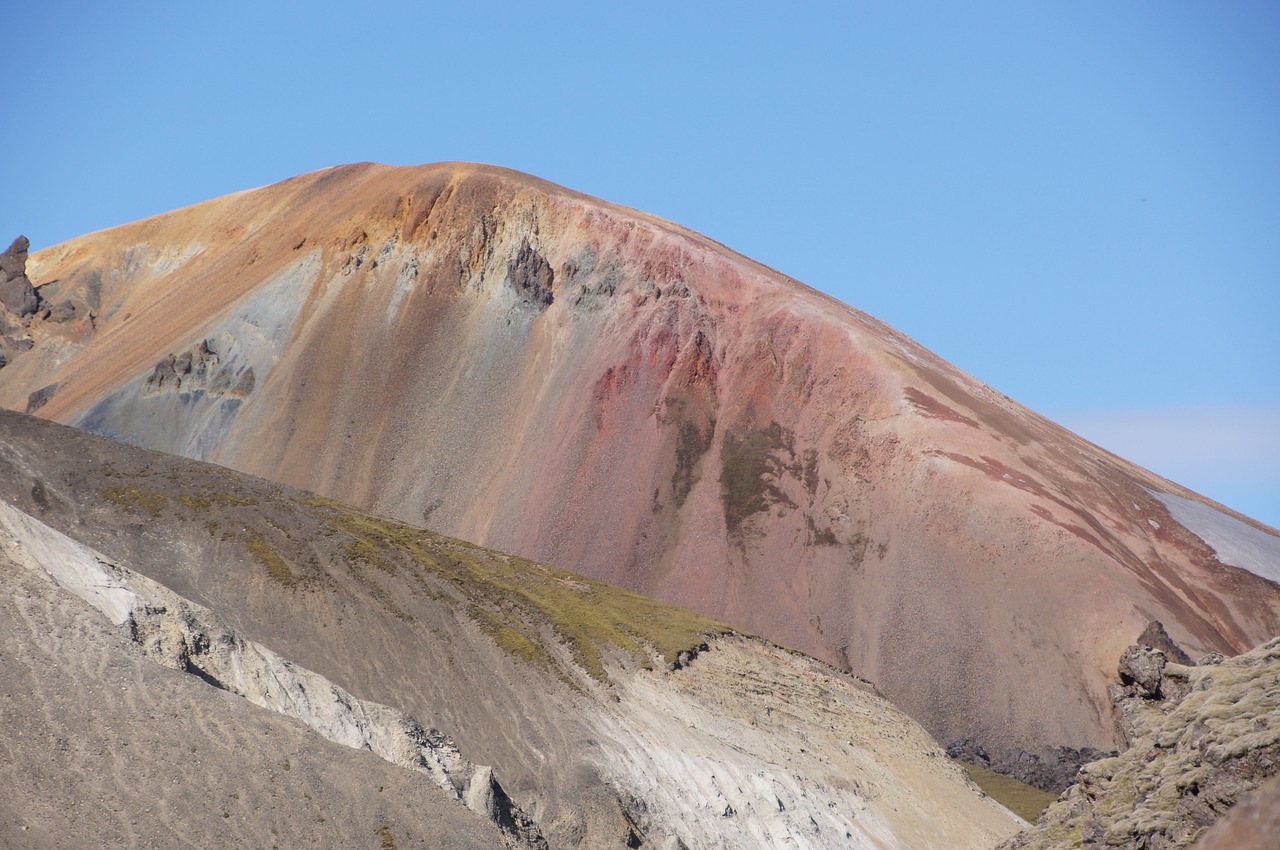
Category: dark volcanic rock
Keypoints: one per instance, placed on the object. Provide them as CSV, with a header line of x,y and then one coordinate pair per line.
x,y
1142,669
1146,677
13,262
1155,637
16,292
1052,769
40,397
532,276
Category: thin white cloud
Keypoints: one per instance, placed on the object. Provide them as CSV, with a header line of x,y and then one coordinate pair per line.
x,y
1229,453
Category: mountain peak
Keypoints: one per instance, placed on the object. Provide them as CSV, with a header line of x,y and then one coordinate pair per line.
x,y
516,364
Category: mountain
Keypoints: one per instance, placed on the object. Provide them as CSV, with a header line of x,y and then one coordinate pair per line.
x,y
514,364
194,656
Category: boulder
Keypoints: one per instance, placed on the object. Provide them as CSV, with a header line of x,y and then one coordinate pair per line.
x,y
1142,669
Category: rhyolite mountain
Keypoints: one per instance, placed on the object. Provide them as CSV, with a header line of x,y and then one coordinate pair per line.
x,y
514,364
194,657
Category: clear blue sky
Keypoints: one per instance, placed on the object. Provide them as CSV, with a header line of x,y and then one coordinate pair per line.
x,y
1079,203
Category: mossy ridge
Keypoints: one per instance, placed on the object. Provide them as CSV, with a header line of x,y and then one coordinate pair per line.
x,y
1189,761
133,498
512,598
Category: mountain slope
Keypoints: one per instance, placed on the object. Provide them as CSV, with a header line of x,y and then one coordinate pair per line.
x,y
514,364
560,710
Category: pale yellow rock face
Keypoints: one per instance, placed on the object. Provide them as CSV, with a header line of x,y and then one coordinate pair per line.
x,y
535,370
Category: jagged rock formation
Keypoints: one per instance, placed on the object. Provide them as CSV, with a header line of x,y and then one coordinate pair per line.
x,y
1202,739
26,316
1051,769
608,719
588,386
199,370
17,295
1155,637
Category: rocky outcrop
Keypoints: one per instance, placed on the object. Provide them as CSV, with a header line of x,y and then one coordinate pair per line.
x,y
16,292
1155,636
1202,739
532,276
1150,673
1051,769
198,369
40,397
25,314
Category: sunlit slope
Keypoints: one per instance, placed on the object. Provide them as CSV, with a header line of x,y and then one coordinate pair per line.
x,y
514,364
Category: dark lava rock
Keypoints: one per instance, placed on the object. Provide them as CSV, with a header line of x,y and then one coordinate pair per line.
x,y
1053,769
1142,669
532,276
13,262
16,292
1155,637
40,397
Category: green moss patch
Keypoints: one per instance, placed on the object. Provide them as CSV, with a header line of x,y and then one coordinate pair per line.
x,y
133,498
522,605
1023,800
271,559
